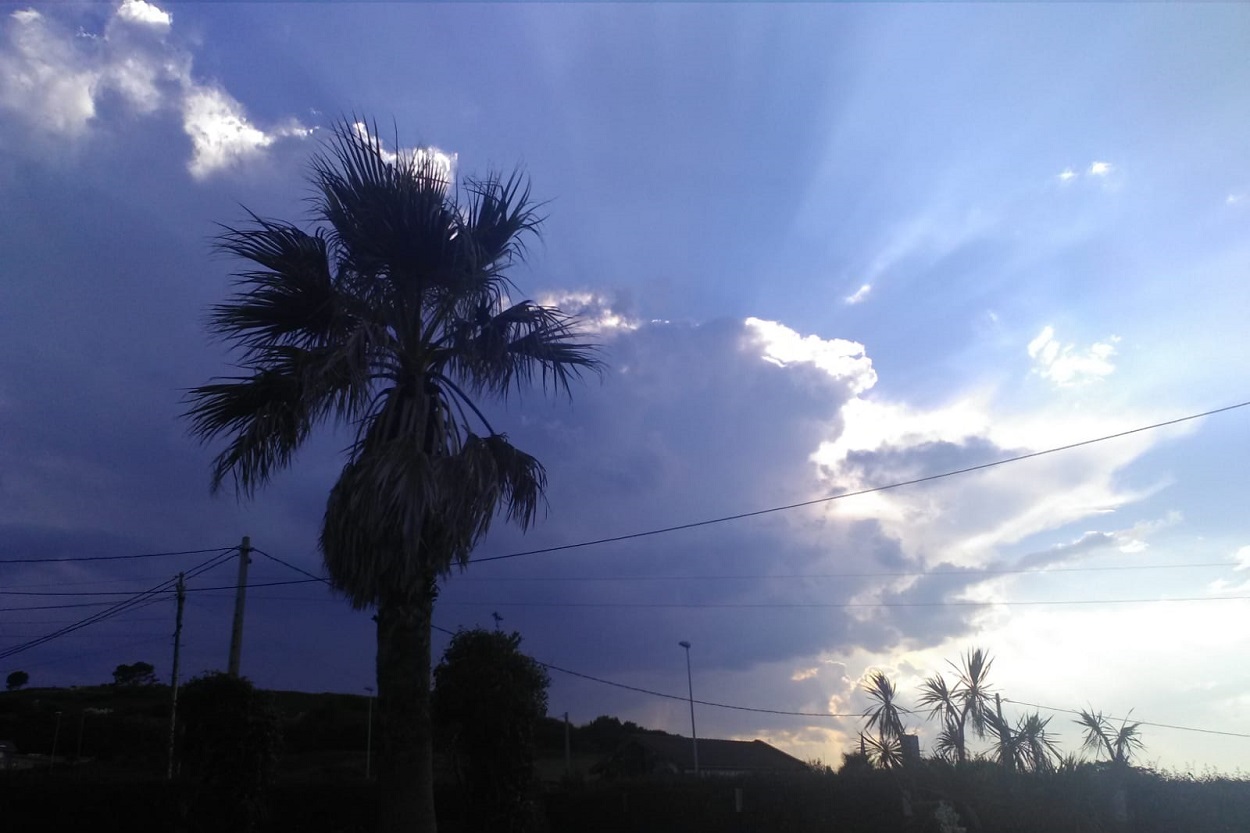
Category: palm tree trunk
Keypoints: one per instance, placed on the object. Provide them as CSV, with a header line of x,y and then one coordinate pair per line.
x,y
406,750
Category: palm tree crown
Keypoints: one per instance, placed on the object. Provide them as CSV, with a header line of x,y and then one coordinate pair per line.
x,y
390,316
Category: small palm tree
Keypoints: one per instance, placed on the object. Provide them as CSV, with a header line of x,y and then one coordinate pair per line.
x,y
964,705
392,317
1037,749
886,748
1101,735
886,716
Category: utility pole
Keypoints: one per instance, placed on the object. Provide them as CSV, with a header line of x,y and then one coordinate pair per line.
x,y
240,595
694,737
173,682
568,754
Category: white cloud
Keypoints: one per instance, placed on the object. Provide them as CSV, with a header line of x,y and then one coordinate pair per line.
x,y
1234,199
1067,366
858,295
595,313
838,357
1067,175
1099,168
54,79
1242,557
442,162
44,78
138,11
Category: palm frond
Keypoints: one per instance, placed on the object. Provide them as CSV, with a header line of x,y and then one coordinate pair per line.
x,y
1097,732
1039,749
292,299
516,346
885,752
500,214
270,413
886,715
973,691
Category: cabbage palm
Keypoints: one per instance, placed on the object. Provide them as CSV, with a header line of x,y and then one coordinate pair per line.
x,y
1037,748
886,717
1102,736
391,317
964,705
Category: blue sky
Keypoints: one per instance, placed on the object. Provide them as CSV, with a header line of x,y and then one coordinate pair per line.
x,y
825,248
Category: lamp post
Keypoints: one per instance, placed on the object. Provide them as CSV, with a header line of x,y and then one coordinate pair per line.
x,y
56,734
369,734
694,738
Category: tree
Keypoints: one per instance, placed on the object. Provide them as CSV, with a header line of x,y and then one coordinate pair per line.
x,y
136,674
886,747
230,740
1102,736
16,680
393,315
962,706
489,697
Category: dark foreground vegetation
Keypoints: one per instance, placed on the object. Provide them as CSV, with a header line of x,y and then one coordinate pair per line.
x,y
981,796
307,775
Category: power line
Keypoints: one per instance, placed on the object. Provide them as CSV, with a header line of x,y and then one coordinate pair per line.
x,y
755,709
903,574
835,605
873,490
1142,722
110,557
687,699
152,596
854,715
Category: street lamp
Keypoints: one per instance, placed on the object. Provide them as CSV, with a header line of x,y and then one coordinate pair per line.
x,y
369,734
694,738
56,734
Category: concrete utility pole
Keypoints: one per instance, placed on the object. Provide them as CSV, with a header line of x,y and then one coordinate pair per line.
x,y
173,680
694,738
240,595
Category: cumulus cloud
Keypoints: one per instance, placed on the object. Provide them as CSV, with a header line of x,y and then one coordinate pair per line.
x,y
1068,366
1067,175
60,82
138,11
1099,168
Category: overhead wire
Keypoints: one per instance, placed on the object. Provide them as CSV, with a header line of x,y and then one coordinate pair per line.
x,y
735,707
153,595
61,560
859,492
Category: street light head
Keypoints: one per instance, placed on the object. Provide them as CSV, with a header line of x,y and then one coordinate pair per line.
x,y
684,644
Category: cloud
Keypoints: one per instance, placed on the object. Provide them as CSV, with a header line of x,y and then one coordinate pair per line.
x,y
443,163
1242,556
1235,199
1064,365
1067,175
61,83
1099,168
858,295
138,11
841,359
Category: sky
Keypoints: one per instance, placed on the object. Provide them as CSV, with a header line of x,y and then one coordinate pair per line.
x,y
825,248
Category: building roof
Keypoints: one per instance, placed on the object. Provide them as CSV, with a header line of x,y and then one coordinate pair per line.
x,y
716,755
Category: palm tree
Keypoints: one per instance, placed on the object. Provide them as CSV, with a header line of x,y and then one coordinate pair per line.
x,y
1037,749
392,316
887,718
966,703
1102,736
